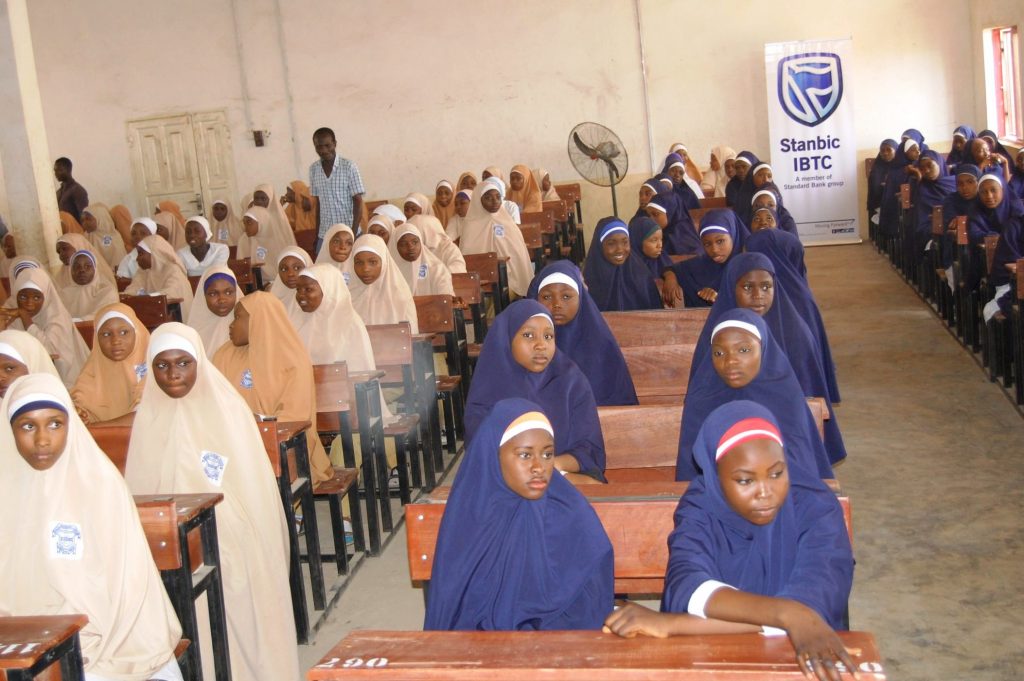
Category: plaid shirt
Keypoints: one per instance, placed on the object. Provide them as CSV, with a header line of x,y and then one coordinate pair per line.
x,y
335,192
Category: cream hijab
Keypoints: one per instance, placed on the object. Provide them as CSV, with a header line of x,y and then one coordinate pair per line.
x,y
213,330
278,288
438,241
388,299
265,246
274,374
175,228
427,275
24,348
550,195
229,230
484,232
80,547
421,200
391,211
282,229
105,239
324,255
52,326
80,243
107,389
166,276
82,301
333,332
717,179
443,213
182,446
384,221
529,197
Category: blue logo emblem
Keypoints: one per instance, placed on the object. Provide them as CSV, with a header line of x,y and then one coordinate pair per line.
x,y
423,271
810,86
246,379
66,540
261,253
140,371
213,466
499,231
107,240
346,276
222,234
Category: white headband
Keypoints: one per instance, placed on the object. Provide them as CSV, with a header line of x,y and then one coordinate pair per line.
x,y
657,206
741,159
616,228
761,165
760,192
523,426
252,217
113,314
202,222
745,435
713,228
907,143
170,341
559,278
30,284
9,350
545,315
736,324
309,273
443,183
678,163
960,135
365,248
677,146
291,253
990,176
652,188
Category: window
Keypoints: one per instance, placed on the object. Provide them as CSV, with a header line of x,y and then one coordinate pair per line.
x,y
1002,82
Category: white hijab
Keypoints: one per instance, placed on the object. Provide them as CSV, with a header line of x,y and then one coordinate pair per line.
x,y
427,275
213,330
284,294
388,299
323,256
484,232
334,332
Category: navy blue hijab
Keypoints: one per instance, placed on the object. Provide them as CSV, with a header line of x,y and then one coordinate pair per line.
x,y
746,191
732,187
1009,249
686,195
803,554
641,228
996,146
703,272
561,390
954,157
783,217
982,221
587,340
790,331
680,234
930,193
1016,183
787,255
506,563
628,286
877,177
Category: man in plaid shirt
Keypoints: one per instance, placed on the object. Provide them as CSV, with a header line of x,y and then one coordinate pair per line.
x,y
336,182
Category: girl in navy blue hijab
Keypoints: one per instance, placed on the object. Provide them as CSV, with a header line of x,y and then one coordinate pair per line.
x,y
675,167
996,147
514,553
934,185
754,275
519,359
958,204
747,364
1009,249
745,160
678,231
699,278
750,527
747,188
769,196
582,333
994,209
616,280
961,151
884,160
648,244
1016,183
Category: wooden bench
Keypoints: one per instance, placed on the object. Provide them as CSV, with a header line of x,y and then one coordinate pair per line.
x,y
533,236
153,311
575,656
469,295
709,202
436,315
493,277
246,274
87,330
658,346
31,645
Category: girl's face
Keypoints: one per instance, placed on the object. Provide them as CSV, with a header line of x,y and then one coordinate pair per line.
x,y
676,173
260,198
1019,161
959,143
378,230
31,301
145,258
980,152
646,194
718,246
468,182
461,206
516,181
562,302
221,297
89,222
8,246
764,201
411,208
886,152
762,220
653,245
742,168
715,165
308,294
545,183
527,463
736,356
409,247
138,233
913,153
754,480
484,175
195,235
730,168
340,246
220,212
755,291
116,338
491,200
163,232
175,371
929,169
967,186
367,266
288,270
238,330
40,436
533,346
762,177
615,248
65,251
660,217
990,193
82,270
443,195
10,369
252,228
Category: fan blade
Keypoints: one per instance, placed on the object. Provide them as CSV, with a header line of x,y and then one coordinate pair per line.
x,y
612,170
592,153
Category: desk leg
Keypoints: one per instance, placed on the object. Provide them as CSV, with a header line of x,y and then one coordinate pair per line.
x,y
215,596
349,455
365,394
178,584
295,560
316,570
71,666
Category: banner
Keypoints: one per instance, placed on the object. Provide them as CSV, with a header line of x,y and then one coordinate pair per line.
x,y
813,144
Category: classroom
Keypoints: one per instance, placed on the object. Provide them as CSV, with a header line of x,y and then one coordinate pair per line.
x,y
371,322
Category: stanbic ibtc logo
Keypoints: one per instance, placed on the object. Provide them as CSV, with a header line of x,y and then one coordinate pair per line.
x,y
810,86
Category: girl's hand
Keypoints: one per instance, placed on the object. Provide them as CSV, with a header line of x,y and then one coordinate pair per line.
x,y
671,293
708,294
635,620
818,649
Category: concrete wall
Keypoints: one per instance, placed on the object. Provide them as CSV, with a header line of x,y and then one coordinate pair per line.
x,y
418,92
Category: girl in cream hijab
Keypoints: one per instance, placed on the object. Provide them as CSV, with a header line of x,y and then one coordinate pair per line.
x,y
213,307
41,313
261,242
379,292
21,354
102,234
423,271
268,365
111,382
540,176
490,228
528,195
79,544
171,228
89,290
336,250
67,246
326,321
383,226
161,272
290,262
226,226
439,243
180,446
716,176
417,204
279,219
443,206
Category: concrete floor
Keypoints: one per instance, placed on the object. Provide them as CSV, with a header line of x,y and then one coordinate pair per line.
x,y
934,476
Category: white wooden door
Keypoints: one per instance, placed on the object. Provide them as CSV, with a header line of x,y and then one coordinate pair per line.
x,y
184,158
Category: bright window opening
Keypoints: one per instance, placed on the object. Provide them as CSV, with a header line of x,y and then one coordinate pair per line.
x,y
1002,82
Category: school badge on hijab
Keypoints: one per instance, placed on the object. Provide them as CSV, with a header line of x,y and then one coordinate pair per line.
x,y
810,86
66,541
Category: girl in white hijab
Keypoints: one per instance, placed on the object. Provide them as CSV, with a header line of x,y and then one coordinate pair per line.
x,y
391,211
41,313
20,354
180,445
379,292
79,544
484,231
102,234
161,272
88,290
213,307
336,250
290,262
423,271
716,176
327,322
439,243
199,241
541,176
140,229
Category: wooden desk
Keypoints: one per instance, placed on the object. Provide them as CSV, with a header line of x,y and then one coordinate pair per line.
x,y
169,522
574,656
29,645
425,384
